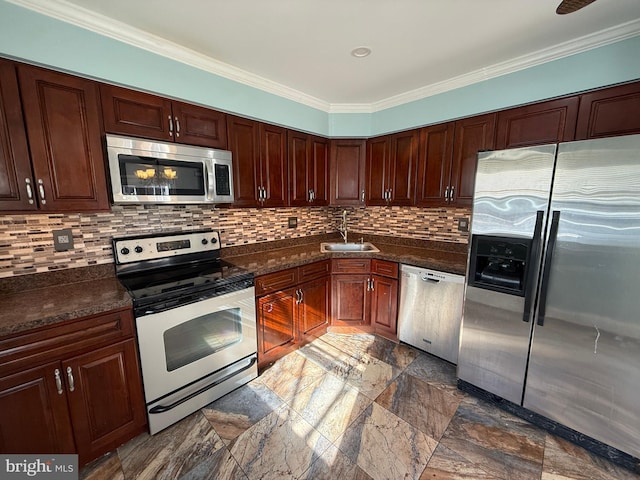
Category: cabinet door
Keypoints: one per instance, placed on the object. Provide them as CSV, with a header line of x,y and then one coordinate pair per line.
x,y
377,170
537,124
16,179
35,417
348,159
128,112
434,170
277,332
105,398
244,143
196,125
350,300
403,166
609,112
299,152
471,136
313,309
62,114
384,305
319,170
273,158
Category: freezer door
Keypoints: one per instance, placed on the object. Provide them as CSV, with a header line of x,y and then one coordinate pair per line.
x,y
510,200
585,356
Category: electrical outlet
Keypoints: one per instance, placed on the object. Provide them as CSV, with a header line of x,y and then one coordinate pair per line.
x,y
63,240
463,224
293,222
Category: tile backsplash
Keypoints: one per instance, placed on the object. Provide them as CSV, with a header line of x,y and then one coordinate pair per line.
x,y
26,241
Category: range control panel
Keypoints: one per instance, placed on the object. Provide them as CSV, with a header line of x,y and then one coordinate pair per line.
x,y
151,247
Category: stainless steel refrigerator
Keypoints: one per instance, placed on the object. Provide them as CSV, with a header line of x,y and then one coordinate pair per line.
x,y
551,317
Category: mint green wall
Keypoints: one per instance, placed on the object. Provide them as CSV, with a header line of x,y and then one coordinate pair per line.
x,y
35,38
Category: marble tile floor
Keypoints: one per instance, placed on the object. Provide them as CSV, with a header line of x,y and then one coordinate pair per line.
x,y
353,407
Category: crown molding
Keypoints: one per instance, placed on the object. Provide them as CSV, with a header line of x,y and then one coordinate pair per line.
x,y
81,17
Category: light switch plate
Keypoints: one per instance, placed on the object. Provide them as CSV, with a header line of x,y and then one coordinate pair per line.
x,y
463,224
293,222
63,240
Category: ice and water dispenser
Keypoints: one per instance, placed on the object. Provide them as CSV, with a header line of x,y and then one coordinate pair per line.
x,y
499,263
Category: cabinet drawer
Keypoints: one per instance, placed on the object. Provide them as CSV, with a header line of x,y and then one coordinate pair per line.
x,y
313,271
350,265
35,347
272,282
384,268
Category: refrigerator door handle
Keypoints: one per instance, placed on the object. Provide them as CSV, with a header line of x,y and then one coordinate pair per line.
x,y
533,261
553,235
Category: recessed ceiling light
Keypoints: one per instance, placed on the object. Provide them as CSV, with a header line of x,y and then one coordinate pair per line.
x,y
361,52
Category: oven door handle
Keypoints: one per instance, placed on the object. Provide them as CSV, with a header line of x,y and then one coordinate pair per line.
x,y
166,408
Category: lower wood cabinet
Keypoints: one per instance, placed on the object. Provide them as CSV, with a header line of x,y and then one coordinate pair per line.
x,y
292,308
365,295
86,399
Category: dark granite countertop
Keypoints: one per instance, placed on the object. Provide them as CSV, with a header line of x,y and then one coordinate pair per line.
x,y
38,300
32,301
443,256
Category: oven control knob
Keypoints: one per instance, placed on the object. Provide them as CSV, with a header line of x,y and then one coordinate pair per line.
x,y
138,249
205,241
124,251
214,240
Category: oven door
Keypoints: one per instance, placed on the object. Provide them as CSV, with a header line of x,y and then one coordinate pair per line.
x,y
184,345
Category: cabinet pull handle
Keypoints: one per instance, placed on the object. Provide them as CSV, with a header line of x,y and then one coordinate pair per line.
x,y
446,194
41,189
72,385
453,189
390,193
260,194
301,296
56,374
313,195
177,127
372,285
362,196
310,196
29,190
170,126
269,307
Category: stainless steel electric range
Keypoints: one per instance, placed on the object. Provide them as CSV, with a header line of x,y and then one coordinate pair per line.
x,y
195,320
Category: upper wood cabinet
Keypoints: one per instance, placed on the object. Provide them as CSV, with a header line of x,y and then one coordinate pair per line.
x,y
308,165
17,188
537,124
609,112
448,156
62,118
471,136
129,112
434,165
347,172
259,163
392,163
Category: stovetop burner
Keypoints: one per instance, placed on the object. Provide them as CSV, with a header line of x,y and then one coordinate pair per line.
x,y
165,270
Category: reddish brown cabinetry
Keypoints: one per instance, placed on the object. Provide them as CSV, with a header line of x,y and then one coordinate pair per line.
x,y
609,112
365,295
392,163
347,172
73,388
16,177
293,307
65,170
537,124
308,165
129,112
434,171
259,163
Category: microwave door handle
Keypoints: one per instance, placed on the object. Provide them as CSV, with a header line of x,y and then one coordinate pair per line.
x,y
209,173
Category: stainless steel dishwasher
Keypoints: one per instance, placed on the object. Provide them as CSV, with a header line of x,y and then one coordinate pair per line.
x,y
431,310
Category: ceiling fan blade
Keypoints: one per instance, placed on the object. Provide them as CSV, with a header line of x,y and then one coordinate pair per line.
x,y
570,6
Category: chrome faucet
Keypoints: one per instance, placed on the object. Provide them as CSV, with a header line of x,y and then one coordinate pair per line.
x,y
343,227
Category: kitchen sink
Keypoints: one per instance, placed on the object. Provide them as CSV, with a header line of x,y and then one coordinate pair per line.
x,y
348,247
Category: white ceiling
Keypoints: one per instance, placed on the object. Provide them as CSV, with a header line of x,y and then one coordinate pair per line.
x,y
300,49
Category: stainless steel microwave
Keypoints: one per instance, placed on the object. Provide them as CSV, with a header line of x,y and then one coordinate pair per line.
x,y
149,171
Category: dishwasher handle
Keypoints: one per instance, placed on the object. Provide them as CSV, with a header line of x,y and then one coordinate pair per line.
x,y
426,278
